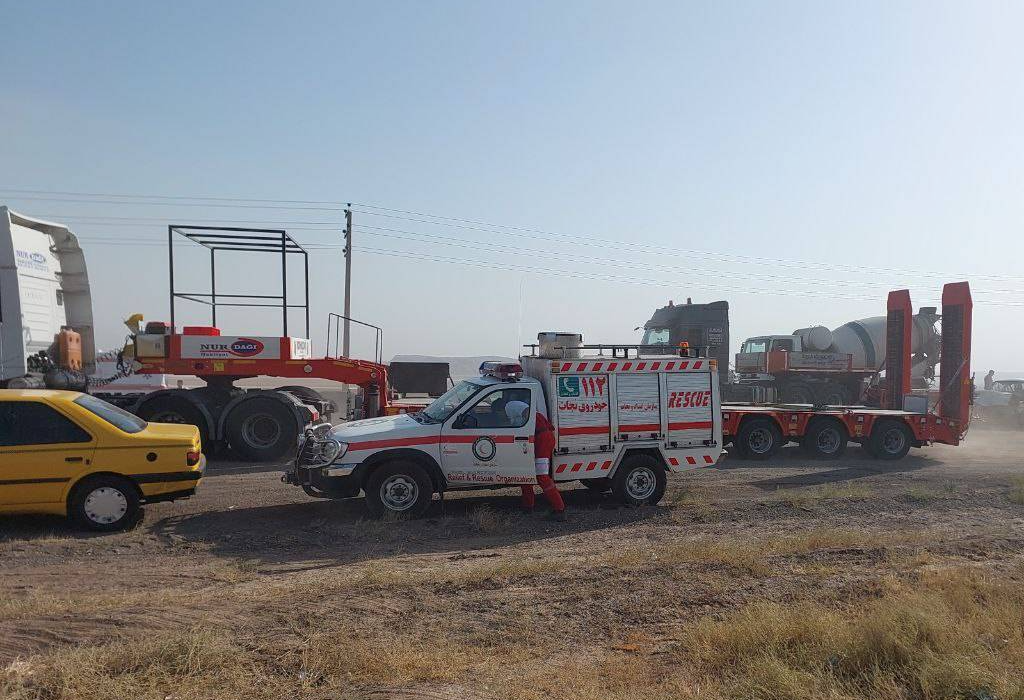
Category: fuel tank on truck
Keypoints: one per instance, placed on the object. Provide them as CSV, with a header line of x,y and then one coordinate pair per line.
x,y
865,340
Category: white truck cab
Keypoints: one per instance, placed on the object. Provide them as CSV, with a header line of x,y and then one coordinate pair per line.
x,y
622,423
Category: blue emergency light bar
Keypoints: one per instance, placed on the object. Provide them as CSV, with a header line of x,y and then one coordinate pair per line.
x,y
505,371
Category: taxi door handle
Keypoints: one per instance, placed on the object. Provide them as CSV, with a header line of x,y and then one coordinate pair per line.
x,y
522,439
73,459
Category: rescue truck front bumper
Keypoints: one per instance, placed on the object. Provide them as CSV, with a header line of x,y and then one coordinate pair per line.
x,y
318,466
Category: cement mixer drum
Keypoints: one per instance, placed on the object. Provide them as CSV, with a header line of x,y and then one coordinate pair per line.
x,y
816,338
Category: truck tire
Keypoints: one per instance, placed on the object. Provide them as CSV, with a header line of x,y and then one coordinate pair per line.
x,y
825,439
261,429
302,392
176,409
401,488
796,392
890,440
104,503
639,480
758,438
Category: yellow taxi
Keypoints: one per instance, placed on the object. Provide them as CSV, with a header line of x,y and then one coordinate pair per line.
x,y
75,455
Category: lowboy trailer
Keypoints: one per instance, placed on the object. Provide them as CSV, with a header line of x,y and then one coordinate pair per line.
x,y
904,421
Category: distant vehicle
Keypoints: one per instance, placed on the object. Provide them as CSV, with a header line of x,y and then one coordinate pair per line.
x,y
1014,387
72,454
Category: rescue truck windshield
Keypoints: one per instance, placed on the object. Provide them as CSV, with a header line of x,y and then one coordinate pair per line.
x,y
446,404
755,345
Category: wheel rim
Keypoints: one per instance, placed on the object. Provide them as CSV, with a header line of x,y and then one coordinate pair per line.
x,y
260,430
105,505
893,441
641,483
399,492
828,441
760,440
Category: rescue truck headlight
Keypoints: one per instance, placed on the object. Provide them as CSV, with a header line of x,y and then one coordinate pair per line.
x,y
330,450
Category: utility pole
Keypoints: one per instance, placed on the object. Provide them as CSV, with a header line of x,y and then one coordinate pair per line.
x,y
348,281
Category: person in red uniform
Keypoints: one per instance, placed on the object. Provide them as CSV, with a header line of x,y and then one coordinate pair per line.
x,y
544,448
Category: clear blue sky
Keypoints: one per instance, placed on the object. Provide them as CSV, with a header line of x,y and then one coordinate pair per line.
x,y
877,145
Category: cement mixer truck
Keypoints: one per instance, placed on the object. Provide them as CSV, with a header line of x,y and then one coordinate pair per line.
x,y
833,367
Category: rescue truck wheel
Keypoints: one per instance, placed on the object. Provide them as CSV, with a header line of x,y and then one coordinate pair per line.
x,y
825,439
401,487
261,429
639,480
104,503
890,440
758,438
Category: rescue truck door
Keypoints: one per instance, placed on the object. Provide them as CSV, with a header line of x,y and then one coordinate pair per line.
x,y
488,444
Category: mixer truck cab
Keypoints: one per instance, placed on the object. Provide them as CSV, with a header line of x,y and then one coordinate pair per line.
x,y
623,422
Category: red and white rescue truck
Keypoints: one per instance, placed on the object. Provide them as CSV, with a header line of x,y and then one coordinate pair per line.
x,y
623,421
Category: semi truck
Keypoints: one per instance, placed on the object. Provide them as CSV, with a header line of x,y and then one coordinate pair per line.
x,y
47,341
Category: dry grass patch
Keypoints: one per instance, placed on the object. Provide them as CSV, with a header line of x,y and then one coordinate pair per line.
x,y
498,570
486,520
809,496
1016,494
182,665
946,634
954,634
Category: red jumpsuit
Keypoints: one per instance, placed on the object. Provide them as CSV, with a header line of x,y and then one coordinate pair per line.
x,y
544,448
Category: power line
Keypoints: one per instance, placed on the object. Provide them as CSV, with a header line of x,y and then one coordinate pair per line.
x,y
644,247
177,204
70,218
459,222
170,197
417,236
561,272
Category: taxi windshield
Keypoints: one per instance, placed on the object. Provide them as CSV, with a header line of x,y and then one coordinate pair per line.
x,y
445,405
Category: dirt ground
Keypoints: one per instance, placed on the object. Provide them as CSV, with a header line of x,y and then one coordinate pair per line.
x,y
479,600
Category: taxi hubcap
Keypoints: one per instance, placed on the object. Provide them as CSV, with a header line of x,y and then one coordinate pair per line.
x,y
105,505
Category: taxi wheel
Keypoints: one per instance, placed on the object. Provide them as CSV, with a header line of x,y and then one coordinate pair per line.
x,y
399,488
105,504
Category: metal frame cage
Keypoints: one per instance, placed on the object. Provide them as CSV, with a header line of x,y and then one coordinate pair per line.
x,y
251,240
